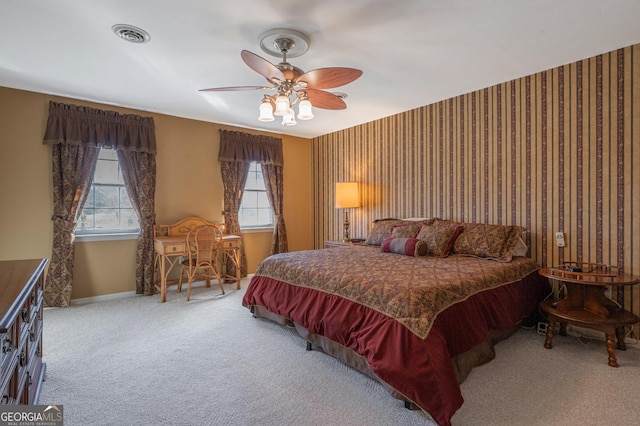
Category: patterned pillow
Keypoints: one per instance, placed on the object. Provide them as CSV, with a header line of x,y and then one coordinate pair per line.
x,y
406,230
382,229
406,246
440,237
495,242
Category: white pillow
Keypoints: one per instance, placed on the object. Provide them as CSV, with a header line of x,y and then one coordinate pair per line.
x,y
520,249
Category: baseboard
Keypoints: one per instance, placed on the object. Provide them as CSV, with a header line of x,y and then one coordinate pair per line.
x,y
84,300
102,298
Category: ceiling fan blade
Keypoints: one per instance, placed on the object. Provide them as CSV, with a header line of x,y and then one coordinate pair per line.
x,y
324,100
234,88
328,78
262,66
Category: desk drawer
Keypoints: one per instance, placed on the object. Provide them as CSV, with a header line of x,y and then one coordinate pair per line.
x,y
230,244
174,248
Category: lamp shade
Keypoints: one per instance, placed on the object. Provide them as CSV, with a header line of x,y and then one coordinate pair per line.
x,y
347,195
266,112
304,110
282,105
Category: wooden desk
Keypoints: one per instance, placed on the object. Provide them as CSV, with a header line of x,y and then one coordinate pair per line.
x,y
170,243
585,304
170,249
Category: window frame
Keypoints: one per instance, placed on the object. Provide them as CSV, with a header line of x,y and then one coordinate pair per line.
x,y
260,227
108,234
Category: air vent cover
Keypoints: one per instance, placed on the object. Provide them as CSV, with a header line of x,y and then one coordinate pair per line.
x,y
131,34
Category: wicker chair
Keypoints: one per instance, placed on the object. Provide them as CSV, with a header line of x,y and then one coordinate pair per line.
x,y
204,244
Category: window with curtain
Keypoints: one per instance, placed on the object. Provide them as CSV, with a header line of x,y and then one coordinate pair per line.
x,y
108,208
255,210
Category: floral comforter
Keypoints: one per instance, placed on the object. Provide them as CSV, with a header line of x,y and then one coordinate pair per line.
x,y
411,290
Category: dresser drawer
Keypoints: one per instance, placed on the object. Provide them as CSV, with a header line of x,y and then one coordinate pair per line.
x,y
8,395
8,344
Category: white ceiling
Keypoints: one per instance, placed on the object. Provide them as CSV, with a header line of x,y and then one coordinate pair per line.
x,y
412,52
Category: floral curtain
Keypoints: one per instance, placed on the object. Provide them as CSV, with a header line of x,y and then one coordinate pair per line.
x,y
234,177
73,167
273,183
76,133
139,174
237,151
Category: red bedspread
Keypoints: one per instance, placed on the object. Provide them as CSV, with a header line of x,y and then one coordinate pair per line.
x,y
408,317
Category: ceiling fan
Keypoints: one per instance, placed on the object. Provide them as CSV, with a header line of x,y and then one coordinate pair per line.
x,y
290,83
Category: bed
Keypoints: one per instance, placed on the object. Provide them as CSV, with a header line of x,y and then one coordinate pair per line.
x,y
406,308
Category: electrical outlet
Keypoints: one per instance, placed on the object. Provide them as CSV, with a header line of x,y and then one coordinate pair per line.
x,y
542,328
560,239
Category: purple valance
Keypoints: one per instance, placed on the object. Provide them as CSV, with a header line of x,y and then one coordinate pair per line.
x,y
80,125
245,147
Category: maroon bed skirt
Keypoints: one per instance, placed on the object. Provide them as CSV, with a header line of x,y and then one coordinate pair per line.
x,y
418,370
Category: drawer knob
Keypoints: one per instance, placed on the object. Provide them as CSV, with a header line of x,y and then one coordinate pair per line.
x,y
173,249
6,346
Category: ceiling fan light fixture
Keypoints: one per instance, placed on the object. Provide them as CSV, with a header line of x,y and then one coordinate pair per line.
x,y
304,110
282,105
289,118
291,84
266,110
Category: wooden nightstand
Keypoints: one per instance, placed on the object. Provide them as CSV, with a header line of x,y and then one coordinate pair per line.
x,y
330,244
585,304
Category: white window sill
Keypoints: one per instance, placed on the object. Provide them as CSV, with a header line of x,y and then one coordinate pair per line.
x,y
256,230
83,238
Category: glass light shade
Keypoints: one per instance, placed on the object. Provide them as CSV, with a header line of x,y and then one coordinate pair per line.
x,y
266,112
282,105
347,195
304,110
289,118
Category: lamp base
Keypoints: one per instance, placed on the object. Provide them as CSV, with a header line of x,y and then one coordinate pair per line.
x,y
346,238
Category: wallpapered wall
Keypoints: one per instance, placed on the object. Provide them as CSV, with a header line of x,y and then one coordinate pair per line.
x,y
554,151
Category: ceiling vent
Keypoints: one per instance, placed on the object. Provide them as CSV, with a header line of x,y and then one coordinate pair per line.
x,y
131,34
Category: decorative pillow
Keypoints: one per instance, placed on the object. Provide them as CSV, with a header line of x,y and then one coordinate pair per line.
x,y
406,246
406,230
440,237
489,241
382,229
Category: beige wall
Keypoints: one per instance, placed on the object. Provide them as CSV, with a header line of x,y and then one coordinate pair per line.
x,y
554,151
188,183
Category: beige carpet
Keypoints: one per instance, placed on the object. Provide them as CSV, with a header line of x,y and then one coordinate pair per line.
x,y
136,361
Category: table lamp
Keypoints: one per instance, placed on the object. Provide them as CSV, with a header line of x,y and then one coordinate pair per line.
x,y
347,196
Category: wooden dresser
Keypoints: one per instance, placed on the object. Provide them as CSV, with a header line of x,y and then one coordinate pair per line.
x,y
21,308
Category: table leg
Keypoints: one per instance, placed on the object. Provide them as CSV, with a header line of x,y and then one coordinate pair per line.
x,y
551,324
163,280
236,255
620,335
611,349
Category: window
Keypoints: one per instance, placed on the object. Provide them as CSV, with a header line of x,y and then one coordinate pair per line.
x,y
255,210
108,208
